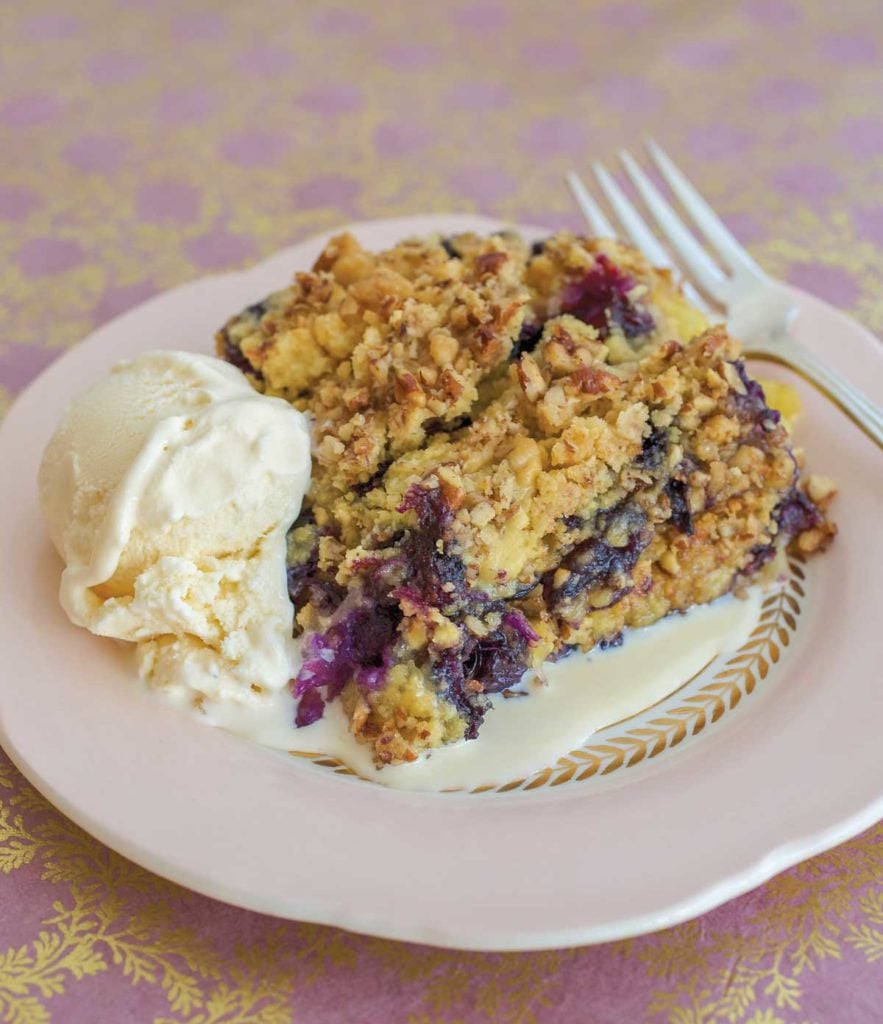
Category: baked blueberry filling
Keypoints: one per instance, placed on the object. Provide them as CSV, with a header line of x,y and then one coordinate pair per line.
x,y
611,642
435,577
797,513
451,249
307,584
602,298
681,516
375,480
357,646
653,449
751,407
760,555
257,309
528,338
233,354
361,643
597,562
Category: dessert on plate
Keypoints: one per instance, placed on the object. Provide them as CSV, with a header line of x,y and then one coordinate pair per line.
x,y
518,452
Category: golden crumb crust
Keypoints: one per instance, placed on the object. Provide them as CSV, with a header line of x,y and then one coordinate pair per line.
x,y
519,451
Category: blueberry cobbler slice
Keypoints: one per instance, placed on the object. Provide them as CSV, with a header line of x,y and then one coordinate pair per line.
x,y
519,452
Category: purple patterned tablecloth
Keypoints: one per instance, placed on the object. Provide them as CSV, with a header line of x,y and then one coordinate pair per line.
x,y
147,142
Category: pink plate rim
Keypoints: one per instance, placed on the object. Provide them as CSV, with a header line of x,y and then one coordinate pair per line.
x,y
793,771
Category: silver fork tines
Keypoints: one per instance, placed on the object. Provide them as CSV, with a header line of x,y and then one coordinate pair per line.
x,y
697,260
593,213
638,231
708,222
759,310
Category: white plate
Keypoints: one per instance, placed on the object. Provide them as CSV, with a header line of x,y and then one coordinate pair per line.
x,y
796,768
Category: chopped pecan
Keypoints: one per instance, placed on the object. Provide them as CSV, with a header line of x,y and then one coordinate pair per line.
x,y
490,262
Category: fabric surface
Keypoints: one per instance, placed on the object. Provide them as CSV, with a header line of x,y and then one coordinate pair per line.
x,y
147,142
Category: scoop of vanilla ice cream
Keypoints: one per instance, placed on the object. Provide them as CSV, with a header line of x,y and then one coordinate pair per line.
x,y
168,489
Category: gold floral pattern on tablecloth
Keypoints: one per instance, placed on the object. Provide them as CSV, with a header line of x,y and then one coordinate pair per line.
x,y
189,960
146,142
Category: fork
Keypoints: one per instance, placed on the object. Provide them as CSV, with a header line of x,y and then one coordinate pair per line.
x,y
759,309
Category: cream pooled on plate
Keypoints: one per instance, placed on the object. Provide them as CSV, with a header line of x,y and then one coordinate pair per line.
x,y
168,489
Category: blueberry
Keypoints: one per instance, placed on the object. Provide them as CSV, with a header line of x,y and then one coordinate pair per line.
x,y
601,298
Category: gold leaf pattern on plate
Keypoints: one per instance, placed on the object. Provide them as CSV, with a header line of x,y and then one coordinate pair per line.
x,y
681,715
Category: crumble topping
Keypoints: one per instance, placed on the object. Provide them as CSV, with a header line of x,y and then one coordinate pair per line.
x,y
519,452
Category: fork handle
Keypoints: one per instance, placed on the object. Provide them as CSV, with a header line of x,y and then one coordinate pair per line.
x,y
864,413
